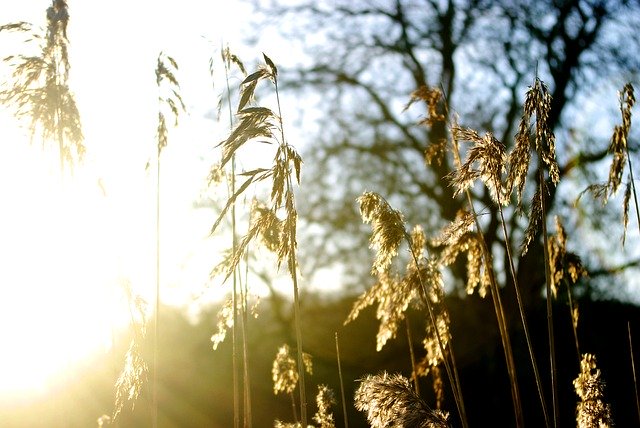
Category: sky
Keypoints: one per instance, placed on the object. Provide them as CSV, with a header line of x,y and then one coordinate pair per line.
x,y
68,249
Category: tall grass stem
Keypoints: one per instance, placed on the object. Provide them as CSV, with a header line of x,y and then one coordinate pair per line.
x,y
633,369
633,187
523,318
234,245
547,273
342,394
453,380
412,354
294,277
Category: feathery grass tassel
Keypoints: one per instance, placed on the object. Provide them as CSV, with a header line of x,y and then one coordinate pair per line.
x,y
40,90
324,400
388,232
389,401
592,410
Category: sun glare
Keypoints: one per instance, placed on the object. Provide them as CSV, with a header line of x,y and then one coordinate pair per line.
x,y
68,244
59,283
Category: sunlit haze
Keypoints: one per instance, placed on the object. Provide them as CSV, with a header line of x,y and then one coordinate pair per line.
x,y
69,245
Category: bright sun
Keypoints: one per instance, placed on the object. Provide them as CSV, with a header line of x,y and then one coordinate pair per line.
x,y
61,264
67,245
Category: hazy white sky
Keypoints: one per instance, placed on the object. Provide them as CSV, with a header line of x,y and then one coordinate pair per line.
x,y
65,252
114,46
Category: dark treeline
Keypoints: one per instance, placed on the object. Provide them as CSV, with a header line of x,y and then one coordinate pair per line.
x,y
195,386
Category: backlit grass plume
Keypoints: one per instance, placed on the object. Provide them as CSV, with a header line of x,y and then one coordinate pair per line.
x,y
390,401
262,125
324,400
422,278
489,155
565,265
285,374
284,371
433,99
457,238
40,89
537,103
620,150
393,297
168,96
225,322
133,377
618,146
592,410
388,228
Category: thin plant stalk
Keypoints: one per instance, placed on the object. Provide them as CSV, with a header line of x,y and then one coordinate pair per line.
x,y
164,74
234,244
453,380
523,318
547,272
156,334
234,353
633,369
344,400
244,287
294,278
633,186
294,407
413,356
573,324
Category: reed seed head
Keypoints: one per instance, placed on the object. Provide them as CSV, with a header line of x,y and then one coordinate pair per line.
x,y
324,400
389,401
625,210
563,264
458,238
537,103
591,410
225,322
40,91
393,296
489,155
535,218
284,371
388,228
618,146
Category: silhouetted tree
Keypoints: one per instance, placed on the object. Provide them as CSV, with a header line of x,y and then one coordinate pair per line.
x,y
366,58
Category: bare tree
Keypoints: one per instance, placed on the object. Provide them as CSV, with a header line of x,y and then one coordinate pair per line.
x,y
366,58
